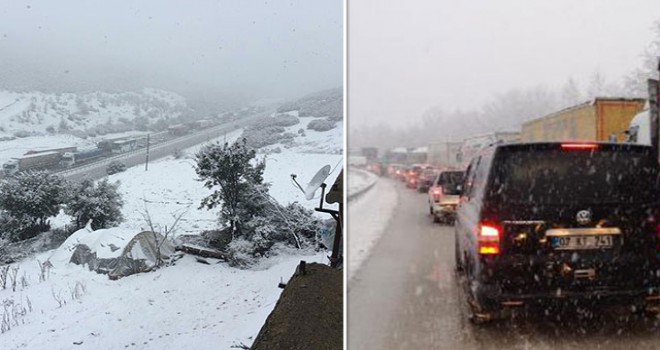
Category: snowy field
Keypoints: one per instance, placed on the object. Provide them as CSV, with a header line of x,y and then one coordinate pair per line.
x,y
188,305
368,219
208,306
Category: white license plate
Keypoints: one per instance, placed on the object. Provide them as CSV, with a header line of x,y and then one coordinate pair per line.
x,y
582,242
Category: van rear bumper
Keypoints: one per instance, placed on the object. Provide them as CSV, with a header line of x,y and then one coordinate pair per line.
x,y
491,296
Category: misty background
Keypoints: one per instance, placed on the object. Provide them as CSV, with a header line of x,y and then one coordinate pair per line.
x,y
429,71
217,54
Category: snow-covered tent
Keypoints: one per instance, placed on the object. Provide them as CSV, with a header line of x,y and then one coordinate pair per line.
x,y
117,252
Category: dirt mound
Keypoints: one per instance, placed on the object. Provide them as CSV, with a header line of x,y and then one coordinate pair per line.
x,y
309,313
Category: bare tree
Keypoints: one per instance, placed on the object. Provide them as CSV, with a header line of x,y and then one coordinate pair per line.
x,y
161,234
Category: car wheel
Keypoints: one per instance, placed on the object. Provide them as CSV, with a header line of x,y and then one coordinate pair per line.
x,y
430,210
436,219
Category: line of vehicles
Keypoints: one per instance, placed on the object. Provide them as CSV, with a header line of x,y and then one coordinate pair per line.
x,y
68,157
442,186
565,212
615,119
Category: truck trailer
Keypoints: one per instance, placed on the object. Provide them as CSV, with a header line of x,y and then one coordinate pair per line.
x,y
444,154
35,161
603,119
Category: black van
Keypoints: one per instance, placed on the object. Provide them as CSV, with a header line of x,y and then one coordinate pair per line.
x,y
574,222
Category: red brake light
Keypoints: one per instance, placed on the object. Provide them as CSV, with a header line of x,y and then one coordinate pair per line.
x,y
437,191
571,146
489,239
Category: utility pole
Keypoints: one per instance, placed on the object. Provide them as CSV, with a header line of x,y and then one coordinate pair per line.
x,y
146,163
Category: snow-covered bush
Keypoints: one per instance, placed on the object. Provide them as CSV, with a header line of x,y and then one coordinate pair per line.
x,y
115,167
28,200
269,131
99,202
321,125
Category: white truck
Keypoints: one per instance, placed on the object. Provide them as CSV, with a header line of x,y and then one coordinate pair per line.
x,y
472,145
444,154
640,128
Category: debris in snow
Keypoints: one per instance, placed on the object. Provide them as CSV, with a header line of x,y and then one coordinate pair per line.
x,y
77,342
202,251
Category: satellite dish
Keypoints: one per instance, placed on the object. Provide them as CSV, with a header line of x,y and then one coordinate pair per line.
x,y
316,182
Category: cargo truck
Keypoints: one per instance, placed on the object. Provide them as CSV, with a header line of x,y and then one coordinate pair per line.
x,y
603,119
35,161
444,154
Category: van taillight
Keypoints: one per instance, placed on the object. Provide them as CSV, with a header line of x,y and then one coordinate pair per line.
x,y
489,239
437,193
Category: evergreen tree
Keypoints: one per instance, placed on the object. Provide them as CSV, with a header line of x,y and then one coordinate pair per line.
x,y
31,198
101,203
235,179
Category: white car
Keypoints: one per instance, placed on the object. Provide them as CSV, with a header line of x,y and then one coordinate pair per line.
x,y
444,194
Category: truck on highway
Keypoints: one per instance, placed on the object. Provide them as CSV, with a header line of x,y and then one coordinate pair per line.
x,y
472,145
444,154
34,161
602,119
640,128
370,153
70,159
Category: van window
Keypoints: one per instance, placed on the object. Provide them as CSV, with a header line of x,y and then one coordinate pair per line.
x,y
553,176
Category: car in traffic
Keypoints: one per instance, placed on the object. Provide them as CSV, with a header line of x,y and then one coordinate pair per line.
x,y
568,223
443,195
413,173
426,178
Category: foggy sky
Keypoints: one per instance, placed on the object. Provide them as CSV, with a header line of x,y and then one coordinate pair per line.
x,y
407,56
260,49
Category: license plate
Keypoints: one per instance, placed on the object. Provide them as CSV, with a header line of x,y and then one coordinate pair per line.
x,y
583,242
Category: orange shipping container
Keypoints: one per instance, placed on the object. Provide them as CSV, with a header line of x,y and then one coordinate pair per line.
x,y
596,120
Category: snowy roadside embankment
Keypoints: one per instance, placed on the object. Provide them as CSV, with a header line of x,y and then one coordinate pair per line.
x,y
359,182
211,306
368,219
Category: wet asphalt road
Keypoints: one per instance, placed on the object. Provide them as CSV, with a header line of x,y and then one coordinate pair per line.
x,y
406,296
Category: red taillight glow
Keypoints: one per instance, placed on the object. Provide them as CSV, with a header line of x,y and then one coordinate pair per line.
x,y
570,146
437,192
489,239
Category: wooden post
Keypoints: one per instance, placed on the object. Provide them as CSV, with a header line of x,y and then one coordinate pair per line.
x,y
146,163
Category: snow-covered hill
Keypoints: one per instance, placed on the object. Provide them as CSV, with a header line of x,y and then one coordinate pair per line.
x,y
37,113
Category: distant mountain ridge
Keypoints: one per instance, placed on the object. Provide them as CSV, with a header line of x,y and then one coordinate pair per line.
x,y
88,114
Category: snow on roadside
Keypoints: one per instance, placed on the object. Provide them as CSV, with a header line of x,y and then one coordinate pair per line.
x,y
368,219
358,180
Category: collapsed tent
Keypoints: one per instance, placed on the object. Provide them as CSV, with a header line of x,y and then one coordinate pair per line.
x,y
117,252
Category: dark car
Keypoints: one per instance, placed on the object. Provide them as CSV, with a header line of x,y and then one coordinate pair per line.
x,y
554,222
425,179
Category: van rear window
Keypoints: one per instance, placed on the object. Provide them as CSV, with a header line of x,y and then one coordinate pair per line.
x,y
449,180
555,176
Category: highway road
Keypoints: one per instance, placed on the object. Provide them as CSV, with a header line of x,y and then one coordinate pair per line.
x,y
405,295
97,169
